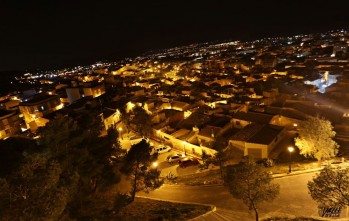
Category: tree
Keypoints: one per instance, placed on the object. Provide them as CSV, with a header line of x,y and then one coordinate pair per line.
x,y
11,154
330,188
4,193
249,182
35,191
58,130
142,121
315,139
138,166
56,182
223,154
89,164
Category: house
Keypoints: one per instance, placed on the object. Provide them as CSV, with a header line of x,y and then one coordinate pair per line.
x,y
242,119
110,117
286,117
257,140
73,93
169,116
206,135
36,107
9,104
267,61
9,123
185,140
94,90
181,106
270,96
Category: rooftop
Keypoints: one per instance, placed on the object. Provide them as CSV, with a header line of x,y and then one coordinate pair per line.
x,y
38,98
254,117
4,113
209,131
258,133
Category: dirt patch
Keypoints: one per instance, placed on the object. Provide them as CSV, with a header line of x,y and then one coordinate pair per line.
x,y
146,209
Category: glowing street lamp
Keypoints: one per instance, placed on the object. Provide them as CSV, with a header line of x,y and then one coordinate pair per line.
x,y
155,164
120,131
159,135
295,126
290,150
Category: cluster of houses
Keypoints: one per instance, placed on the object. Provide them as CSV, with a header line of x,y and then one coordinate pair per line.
x,y
253,95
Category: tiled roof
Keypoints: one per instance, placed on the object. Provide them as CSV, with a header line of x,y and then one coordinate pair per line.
x,y
208,130
4,113
107,113
181,134
266,135
286,112
247,132
195,119
254,117
38,98
257,133
179,104
219,121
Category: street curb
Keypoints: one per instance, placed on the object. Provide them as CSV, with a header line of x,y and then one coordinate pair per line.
x,y
296,173
274,176
213,207
201,185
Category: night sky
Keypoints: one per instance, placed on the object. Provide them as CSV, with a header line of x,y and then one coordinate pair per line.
x,y
55,33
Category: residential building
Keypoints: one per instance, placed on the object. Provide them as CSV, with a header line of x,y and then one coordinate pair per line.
x,y
94,90
73,93
9,123
37,107
9,104
257,140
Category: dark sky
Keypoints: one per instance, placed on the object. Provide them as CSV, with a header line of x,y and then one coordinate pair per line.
x,y
50,33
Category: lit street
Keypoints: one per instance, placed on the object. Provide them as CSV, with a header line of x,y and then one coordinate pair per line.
x,y
163,165
166,167
293,200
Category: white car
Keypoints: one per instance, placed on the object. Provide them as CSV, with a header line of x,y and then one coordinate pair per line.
x,y
174,157
162,149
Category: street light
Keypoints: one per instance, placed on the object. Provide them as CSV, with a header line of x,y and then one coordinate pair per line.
x,y
120,130
159,136
184,142
155,164
290,149
295,126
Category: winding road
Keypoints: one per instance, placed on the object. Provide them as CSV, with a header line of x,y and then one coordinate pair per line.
x,y
292,201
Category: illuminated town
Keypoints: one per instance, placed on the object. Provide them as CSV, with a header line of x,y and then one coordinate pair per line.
x,y
249,98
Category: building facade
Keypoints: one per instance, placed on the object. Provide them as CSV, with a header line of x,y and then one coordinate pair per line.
x,y
38,106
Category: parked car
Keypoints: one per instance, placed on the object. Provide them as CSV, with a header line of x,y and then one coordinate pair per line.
x,y
186,162
162,149
175,157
